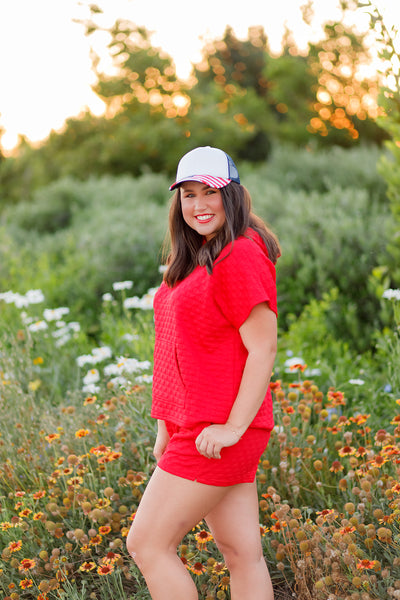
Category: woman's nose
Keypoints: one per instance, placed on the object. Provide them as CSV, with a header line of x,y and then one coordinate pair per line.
x,y
199,202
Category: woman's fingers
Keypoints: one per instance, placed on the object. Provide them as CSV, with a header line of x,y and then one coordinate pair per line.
x,y
207,446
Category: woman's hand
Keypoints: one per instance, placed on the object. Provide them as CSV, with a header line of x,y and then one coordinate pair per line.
x,y
213,438
161,442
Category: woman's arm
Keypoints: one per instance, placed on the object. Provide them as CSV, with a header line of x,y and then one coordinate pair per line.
x,y
259,336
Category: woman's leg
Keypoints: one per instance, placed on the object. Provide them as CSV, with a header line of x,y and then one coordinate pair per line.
x,y
170,507
234,523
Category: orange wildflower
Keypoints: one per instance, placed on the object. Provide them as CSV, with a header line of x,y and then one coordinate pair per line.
x,y
102,419
396,488
336,398
87,566
390,450
327,512
361,451
102,503
25,513
104,529
224,583
99,450
20,494
347,451
26,583
136,388
52,437
379,461
365,564
39,494
380,436
364,431
347,530
96,540
75,481
27,564
15,546
110,558
138,479
359,419
105,569
89,400
197,568
298,367
275,385
82,433
336,466
114,455
219,567
278,526
202,537
387,519
334,430
37,516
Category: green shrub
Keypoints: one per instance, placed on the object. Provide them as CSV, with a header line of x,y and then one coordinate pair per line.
x,y
322,170
113,229
76,238
51,207
329,240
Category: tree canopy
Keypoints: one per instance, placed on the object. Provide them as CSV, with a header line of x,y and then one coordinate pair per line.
x,y
240,96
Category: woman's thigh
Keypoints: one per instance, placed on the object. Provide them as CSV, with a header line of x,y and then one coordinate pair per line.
x,y
234,522
170,507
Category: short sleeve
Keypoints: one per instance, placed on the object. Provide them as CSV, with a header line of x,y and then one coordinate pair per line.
x,y
244,277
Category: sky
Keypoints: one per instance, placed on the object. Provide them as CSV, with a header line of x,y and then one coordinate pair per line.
x,y
45,64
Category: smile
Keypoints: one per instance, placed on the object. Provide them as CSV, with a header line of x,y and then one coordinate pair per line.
x,y
204,218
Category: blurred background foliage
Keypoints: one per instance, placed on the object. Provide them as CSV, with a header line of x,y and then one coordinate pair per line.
x,y
240,96
316,143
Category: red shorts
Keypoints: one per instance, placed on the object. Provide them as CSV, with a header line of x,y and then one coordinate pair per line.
x,y
238,463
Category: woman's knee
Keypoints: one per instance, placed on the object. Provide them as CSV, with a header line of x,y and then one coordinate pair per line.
x,y
138,547
237,556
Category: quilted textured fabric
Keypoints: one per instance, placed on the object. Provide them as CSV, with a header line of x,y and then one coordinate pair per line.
x,y
238,463
199,356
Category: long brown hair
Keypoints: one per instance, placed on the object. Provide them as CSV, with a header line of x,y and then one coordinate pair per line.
x,y
187,248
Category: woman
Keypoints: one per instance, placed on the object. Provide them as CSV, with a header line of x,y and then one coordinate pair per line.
x,y
215,320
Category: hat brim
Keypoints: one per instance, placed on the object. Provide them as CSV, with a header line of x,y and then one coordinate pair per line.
x,y
213,182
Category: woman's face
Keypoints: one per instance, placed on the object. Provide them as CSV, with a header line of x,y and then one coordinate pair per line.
x,y
202,208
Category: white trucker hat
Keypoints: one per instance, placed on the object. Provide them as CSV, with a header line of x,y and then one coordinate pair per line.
x,y
208,165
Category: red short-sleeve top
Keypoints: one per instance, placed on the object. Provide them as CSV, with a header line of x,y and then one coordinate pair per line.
x,y
199,356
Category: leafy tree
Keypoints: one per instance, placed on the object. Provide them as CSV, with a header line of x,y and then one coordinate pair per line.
x,y
389,101
234,71
345,102
240,97
291,85
230,61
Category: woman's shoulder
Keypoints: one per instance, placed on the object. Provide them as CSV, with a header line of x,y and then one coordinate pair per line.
x,y
249,245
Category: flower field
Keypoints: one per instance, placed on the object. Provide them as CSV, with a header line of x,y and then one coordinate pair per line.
x,y
76,453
